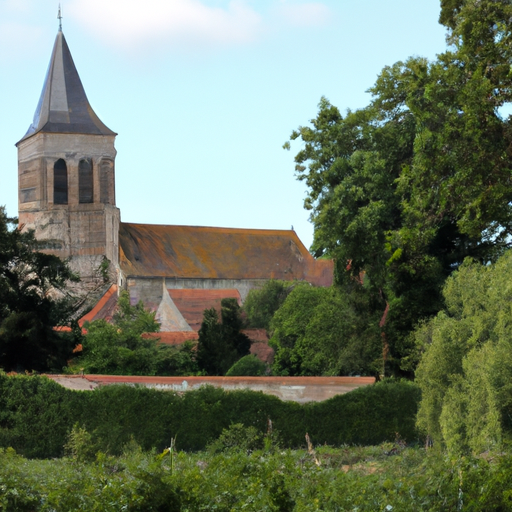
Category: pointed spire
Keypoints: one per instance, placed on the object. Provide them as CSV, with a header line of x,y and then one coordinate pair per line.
x,y
63,106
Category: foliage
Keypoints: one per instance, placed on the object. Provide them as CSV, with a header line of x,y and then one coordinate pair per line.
x,y
32,302
237,437
466,368
37,416
180,360
118,348
221,344
79,445
248,365
406,188
367,415
262,303
322,331
385,477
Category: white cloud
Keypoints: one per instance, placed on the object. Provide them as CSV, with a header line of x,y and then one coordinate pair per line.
x,y
306,14
130,23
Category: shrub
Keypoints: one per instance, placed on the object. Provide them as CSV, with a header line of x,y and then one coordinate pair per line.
x,y
247,366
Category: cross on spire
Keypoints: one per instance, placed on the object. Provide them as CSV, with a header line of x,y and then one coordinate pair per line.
x,y
59,17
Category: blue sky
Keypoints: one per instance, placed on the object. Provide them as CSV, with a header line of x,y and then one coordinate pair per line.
x,y
203,93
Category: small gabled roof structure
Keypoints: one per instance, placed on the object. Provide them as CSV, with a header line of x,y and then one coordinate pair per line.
x,y
194,252
63,106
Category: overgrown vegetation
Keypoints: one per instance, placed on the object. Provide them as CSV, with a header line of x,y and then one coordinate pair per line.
x,y
386,477
324,331
262,303
465,371
249,365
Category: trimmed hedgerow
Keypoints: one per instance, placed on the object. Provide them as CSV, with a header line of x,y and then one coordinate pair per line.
x,y
366,416
37,415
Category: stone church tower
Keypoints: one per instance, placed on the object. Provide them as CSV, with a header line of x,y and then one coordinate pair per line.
x,y
66,180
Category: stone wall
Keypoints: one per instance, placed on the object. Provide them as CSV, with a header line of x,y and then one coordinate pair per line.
x,y
297,389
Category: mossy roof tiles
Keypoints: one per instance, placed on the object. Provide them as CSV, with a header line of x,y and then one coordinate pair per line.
x,y
191,252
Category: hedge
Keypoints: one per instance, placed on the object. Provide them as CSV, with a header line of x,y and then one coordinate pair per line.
x,y
36,415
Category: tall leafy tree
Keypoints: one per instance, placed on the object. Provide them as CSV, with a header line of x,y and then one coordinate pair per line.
x,y
325,331
262,303
221,342
406,188
33,301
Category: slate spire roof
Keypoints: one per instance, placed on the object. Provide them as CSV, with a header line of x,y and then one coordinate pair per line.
x,y
63,106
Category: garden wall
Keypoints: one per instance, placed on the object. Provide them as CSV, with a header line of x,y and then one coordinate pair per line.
x,y
296,389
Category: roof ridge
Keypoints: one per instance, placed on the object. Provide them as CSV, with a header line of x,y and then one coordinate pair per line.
x,y
212,228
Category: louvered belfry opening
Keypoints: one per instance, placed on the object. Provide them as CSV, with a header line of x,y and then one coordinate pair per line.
x,y
106,181
60,182
85,181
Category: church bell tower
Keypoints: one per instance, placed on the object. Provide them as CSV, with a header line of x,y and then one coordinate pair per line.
x,y
66,172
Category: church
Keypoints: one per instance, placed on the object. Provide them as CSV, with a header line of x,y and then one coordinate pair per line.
x,y
66,194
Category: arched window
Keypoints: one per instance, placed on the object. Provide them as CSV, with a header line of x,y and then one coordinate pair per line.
x,y
60,182
85,181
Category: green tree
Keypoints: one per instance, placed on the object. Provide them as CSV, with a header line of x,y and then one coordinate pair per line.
x,y
466,369
180,360
119,348
408,187
319,331
221,343
261,303
33,300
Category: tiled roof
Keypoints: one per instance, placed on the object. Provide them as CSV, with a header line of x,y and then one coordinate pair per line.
x,y
104,308
149,250
192,302
172,338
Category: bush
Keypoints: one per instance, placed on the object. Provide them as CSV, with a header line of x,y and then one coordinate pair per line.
x,y
237,437
247,366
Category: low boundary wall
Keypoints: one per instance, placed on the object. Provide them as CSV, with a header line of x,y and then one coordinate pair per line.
x,y
297,389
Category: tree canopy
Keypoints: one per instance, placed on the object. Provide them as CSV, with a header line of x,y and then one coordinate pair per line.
x,y
408,187
323,331
262,303
122,347
33,301
221,342
466,369
118,347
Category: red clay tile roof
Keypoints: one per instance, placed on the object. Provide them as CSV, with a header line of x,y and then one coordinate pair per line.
x,y
104,309
192,302
173,338
148,250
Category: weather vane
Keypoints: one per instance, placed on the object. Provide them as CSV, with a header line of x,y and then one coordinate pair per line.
x,y
59,16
